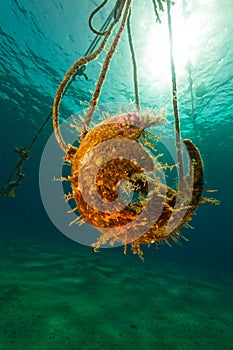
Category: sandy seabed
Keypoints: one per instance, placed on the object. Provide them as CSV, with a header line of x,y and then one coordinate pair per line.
x,y
59,299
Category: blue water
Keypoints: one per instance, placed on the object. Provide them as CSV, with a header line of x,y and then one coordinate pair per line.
x,y
39,42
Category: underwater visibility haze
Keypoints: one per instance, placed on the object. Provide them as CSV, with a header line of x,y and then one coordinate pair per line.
x,y
116,126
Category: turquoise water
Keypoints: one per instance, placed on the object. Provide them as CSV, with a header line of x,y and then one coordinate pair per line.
x,y
58,294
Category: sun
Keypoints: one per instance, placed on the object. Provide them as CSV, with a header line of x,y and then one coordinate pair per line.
x,y
186,46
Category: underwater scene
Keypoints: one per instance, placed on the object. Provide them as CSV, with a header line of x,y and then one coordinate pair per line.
x,y
116,139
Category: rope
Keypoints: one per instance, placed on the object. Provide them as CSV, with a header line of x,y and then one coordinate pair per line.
x,y
135,78
105,67
116,14
192,99
118,9
156,10
77,65
97,38
24,153
92,16
190,79
7,189
174,98
60,92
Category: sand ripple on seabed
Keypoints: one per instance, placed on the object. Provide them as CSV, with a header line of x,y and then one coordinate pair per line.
x,y
78,300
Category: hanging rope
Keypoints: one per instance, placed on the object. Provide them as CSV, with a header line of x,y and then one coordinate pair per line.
x,y
116,14
7,189
158,6
174,98
190,79
98,37
105,67
60,92
98,8
135,78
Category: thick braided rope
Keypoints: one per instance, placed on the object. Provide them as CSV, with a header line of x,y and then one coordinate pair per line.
x,y
106,64
82,61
